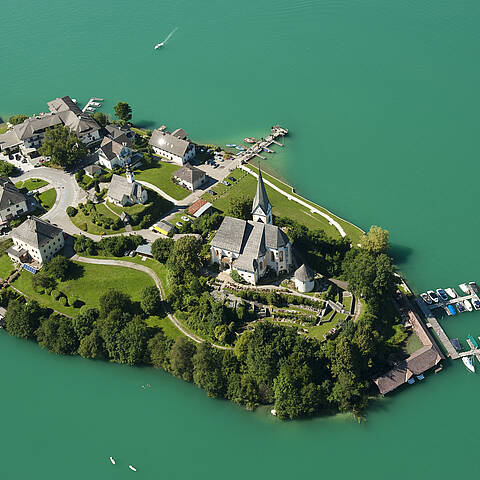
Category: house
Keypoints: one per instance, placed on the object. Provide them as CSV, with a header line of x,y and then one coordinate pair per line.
x,y
126,191
417,363
172,147
304,279
93,171
198,208
190,177
163,227
252,247
35,240
12,202
115,152
145,250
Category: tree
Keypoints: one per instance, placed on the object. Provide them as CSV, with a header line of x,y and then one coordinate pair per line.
x,y
7,169
376,240
101,118
207,370
114,300
83,324
240,206
110,328
57,335
59,267
23,320
123,111
132,342
92,346
184,259
43,280
63,146
161,249
17,119
159,348
181,358
151,300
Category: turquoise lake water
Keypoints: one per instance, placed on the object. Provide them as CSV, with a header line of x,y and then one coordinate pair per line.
x,y
381,98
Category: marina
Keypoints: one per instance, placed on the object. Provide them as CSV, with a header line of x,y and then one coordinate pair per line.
x,y
92,104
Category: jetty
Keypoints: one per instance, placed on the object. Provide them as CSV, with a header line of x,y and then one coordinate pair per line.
x,y
258,146
92,104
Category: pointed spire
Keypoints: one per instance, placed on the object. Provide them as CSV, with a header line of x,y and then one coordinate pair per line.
x,y
261,199
129,173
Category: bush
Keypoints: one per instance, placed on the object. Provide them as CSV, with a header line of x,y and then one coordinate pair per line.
x,y
63,300
55,294
71,211
237,278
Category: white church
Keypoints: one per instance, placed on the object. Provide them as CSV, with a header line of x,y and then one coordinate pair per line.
x,y
252,247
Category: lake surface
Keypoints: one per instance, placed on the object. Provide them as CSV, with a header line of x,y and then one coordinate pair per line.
x,y
381,98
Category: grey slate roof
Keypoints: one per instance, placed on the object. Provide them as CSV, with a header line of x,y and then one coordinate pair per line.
x,y
9,140
80,124
304,274
62,104
36,125
261,199
169,143
423,359
9,194
145,249
189,174
275,237
245,262
115,132
119,187
93,170
180,133
111,148
35,232
230,234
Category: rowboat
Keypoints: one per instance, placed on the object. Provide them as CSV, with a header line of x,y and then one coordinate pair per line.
x,y
467,361
131,467
112,460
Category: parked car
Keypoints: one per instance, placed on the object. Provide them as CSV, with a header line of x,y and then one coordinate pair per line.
x,y
232,179
185,218
215,165
212,192
179,224
225,183
127,253
132,253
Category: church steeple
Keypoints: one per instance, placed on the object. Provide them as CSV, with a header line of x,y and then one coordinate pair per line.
x,y
261,208
129,173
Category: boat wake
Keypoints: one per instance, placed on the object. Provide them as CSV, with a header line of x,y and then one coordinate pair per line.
x,y
161,44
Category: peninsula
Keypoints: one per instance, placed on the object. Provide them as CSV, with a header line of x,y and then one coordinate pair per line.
x,y
145,248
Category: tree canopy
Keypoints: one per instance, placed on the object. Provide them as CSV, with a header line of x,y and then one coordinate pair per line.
x,y
161,249
123,111
17,119
63,146
376,240
101,118
240,206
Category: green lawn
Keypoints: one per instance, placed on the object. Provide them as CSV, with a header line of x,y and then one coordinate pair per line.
x,y
3,128
6,266
47,198
282,207
85,222
160,176
412,344
95,280
31,184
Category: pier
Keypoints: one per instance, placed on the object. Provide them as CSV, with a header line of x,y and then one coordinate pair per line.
x,y
256,148
90,107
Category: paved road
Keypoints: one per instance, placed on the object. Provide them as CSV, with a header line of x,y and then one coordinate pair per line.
x,y
158,283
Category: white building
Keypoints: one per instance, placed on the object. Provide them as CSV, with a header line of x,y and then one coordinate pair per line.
x,y
172,146
190,177
115,151
304,279
252,247
126,191
12,202
35,240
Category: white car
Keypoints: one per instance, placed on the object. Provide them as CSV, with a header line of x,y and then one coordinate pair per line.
x,y
185,218
179,224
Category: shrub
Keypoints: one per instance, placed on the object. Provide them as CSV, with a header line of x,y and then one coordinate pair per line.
x,y
236,277
55,294
84,227
63,300
71,211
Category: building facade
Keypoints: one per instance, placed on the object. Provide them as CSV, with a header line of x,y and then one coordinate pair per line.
x,y
126,191
174,147
12,202
190,177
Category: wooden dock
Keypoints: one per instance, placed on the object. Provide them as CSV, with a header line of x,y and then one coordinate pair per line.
x,y
90,104
256,148
439,331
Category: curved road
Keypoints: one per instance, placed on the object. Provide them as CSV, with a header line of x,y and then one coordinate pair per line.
x,y
158,283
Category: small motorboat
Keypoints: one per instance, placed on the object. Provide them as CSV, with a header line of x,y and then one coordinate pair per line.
x,y
240,147
473,287
460,307
268,150
451,292
112,460
468,305
74,100
451,309
426,298
411,381
476,304
467,361
159,45
464,288
433,296
456,344
96,104
421,376
250,140
442,294
447,311
90,109
230,145
131,467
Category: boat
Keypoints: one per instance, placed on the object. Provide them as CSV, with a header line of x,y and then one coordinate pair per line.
x,y
411,381
460,307
433,296
131,467
74,100
96,104
442,294
473,343
447,310
476,304
90,109
467,361
250,140
451,292
464,288
268,150
112,460
159,45
468,305
473,287
456,344
426,298
451,309
230,145
421,376
240,147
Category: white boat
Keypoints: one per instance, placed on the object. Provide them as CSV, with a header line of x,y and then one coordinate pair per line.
x,y
433,296
464,288
90,109
96,104
74,100
468,305
112,460
473,287
131,467
426,298
159,45
467,361
451,292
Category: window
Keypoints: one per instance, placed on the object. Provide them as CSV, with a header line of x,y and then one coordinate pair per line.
x,y
281,255
272,256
